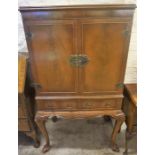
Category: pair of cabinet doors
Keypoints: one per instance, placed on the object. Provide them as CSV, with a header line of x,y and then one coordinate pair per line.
x,y
75,56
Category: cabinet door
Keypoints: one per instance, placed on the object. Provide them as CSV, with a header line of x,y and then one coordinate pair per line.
x,y
50,44
104,42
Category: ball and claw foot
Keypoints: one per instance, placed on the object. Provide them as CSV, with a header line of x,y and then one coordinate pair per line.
x,y
45,148
54,119
107,118
115,148
36,144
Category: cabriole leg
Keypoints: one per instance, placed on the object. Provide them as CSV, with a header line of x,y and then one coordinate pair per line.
x,y
120,118
41,125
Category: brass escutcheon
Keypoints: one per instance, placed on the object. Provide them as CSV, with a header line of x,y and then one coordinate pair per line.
x,y
78,60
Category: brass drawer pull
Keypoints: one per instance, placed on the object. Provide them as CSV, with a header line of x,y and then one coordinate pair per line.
x,y
78,60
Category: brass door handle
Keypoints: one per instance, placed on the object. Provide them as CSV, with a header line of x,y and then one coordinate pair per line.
x,y
78,60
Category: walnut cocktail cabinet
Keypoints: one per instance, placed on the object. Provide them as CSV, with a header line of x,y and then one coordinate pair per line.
x,y
78,56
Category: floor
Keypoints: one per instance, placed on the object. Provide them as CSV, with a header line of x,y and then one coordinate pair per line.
x,y
80,137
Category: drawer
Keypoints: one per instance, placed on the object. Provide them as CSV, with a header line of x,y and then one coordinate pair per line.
x,y
57,105
100,104
84,104
23,125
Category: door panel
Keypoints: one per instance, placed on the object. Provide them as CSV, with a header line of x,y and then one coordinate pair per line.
x,y
52,43
104,44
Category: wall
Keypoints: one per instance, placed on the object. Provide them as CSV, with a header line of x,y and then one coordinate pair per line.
x,y
131,70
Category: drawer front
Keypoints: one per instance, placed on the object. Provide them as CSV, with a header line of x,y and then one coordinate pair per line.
x,y
23,125
57,105
84,104
100,104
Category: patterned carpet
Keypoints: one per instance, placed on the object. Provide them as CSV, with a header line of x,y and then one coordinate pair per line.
x,y
80,137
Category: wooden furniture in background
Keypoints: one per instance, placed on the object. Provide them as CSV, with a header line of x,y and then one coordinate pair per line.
x,y
130,110
78,57
25,109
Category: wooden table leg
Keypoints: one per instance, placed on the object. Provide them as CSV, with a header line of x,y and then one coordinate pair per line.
x,y
120,118
129,130
33,135
126,143
41,125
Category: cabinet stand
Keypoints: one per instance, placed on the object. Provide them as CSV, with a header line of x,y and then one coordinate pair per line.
x,y
41,118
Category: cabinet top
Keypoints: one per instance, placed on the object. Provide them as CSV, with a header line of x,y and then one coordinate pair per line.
x,y
66,7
